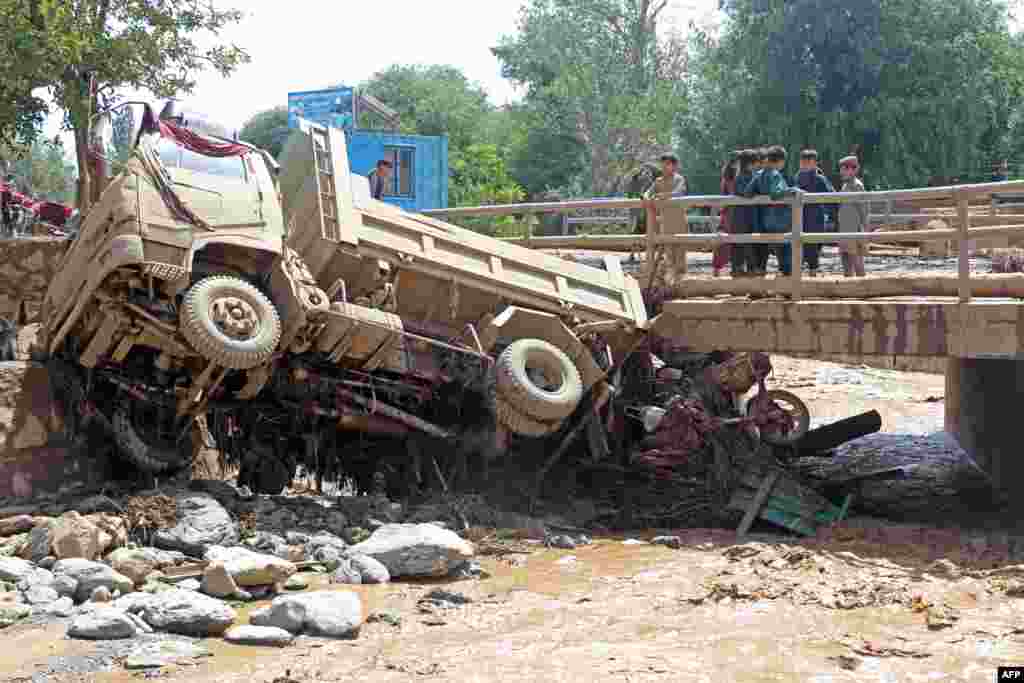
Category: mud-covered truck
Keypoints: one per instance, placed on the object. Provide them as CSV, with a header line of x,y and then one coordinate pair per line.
x,y
308,324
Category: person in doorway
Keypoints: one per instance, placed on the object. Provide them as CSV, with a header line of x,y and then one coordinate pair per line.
x,y
670,185
811,179
853,217
722,254
380,177
1001,173
772,218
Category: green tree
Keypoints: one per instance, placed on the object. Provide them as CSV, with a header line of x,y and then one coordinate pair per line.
x,y
602,72
919,89
92,49
479,177
267,130
433,100
40,168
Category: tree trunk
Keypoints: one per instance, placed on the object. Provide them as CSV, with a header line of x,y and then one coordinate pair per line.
x,y
84,169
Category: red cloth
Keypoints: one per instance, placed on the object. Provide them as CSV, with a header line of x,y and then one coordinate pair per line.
x,y
200,144
722,254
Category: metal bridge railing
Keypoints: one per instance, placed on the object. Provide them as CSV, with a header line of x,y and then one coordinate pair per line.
x,y
676,234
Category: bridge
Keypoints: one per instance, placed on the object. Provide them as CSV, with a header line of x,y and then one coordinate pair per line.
x,y
970,325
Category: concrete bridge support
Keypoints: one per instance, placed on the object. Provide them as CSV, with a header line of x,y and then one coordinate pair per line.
x,y
984,414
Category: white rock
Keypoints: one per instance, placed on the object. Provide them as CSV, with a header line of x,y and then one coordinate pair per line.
x,y
331,614
187,613
40,595
258,635
103,623
202,522
14,569
61,607
91,575
370,570
217,581
415,549
250,568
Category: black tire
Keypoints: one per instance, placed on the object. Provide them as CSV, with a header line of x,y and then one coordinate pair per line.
x,y
515,386
520,424
214,317
801,417
148,456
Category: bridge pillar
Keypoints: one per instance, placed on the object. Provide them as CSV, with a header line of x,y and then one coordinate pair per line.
x,y
983,413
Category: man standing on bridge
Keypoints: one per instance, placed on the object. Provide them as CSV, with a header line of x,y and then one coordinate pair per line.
x,y
853,217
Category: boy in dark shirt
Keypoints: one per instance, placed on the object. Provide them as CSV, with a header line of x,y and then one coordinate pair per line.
x,y
744,256
772,218
811,179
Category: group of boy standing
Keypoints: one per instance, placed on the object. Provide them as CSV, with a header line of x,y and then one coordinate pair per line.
x,y
749,173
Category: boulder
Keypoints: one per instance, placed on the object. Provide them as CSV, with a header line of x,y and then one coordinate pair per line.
x,y
66,586
328,614
268,543
328,556
104,623
217,581
40,595
346,573
249,568
61,607
416,549
113,532
202,522
187,613
135,563
259,635
40,540
370,570
134,603
39,577
90,576
19,524
14,569
73,535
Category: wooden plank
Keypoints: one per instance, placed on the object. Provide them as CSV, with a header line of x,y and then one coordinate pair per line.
x,y
964,263
758,502
797,247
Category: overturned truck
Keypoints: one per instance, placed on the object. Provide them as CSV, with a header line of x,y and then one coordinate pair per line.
x,y
305,322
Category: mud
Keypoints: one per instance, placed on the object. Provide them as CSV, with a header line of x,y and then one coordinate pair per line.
x,y
711,611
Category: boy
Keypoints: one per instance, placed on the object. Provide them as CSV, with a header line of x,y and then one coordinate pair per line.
x,y
772,218
811,179
670,185
742,219
853,217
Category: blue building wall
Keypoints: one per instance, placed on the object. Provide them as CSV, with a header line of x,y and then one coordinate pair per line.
x,y
333,107
429,168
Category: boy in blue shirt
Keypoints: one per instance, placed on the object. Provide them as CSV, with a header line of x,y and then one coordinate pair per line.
x,y
772,218
811,179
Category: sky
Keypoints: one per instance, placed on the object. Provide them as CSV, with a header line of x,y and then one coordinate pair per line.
x,y
310,44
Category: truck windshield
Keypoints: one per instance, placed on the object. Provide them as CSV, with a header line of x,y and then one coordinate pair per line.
x,y
174,156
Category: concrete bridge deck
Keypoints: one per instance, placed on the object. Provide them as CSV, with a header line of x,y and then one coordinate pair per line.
x,y
909,327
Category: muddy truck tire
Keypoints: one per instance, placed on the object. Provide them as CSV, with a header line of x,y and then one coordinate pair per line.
x,y
230,322
155,458
538,380
520,424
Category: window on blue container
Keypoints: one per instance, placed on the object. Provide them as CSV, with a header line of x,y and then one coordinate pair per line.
x,y
403,183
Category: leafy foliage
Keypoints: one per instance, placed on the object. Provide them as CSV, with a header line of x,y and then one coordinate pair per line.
x,y
40,169
267,130
72,49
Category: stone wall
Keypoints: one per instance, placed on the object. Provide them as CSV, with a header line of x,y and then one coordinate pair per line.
x,y
27,265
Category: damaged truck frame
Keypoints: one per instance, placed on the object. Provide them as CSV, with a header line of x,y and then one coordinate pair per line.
x,y
304,321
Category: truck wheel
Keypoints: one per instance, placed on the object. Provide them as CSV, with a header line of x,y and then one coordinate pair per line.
x,y
149,454
524,425
800,416
230,322
538,380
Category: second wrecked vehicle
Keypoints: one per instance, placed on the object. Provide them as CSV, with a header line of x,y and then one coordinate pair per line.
x,y
305,319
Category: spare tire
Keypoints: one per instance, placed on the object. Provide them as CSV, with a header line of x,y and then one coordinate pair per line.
x,y
798,412
520,424
230,322
147,453
539,380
